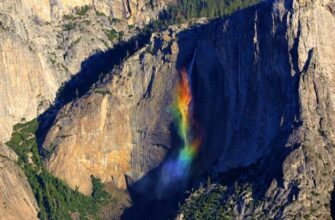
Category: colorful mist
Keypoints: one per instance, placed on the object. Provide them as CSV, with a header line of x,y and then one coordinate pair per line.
x,y
183,113
177,168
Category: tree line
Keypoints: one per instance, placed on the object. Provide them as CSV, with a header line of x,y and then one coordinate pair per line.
x,y
185,10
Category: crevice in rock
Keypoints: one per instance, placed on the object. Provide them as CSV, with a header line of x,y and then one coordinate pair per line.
x,y
294,51
147,93
127,8
308,61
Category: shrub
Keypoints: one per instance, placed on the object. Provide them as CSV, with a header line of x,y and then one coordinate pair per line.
x,y
98,13
111,34
69,26
99,194
83,10
68,17
206,205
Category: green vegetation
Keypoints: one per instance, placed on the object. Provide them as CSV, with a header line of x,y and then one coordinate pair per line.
x,y
55,198
102,91
115,20
68,17
69,26
112,34
206,203
83,10
186,10
101,14
121,34
99,194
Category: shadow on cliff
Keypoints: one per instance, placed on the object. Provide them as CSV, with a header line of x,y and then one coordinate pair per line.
x,y
212,104
92,71
150,199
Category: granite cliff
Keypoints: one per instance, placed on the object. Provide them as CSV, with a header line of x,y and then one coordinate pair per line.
x,y
43,45
121,127
17,199
45,42
263,86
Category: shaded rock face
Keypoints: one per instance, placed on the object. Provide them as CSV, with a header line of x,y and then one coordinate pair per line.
x,y
45,42
244,79
263,88
17,199
273,88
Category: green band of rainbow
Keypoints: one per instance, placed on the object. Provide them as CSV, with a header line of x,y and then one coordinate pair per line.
x,y
182,111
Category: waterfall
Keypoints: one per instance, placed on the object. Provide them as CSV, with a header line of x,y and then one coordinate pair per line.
x,y
176,169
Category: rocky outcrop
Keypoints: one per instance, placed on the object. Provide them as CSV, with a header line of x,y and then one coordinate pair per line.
x,y
121,127
45,42
17,199
139,11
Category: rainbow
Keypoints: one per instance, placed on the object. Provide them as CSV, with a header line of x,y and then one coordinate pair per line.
x,y
178,168
183,114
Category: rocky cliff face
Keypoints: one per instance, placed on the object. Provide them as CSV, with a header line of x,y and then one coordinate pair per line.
x,y
47,10
45,42
263,87
121,127
275,80
17,199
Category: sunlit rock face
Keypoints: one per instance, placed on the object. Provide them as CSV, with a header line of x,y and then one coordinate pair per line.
x,y
121,128
27,85
263,92
17,199
137,11
45,42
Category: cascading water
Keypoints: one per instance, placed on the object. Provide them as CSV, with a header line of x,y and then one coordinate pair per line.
x,y
177,169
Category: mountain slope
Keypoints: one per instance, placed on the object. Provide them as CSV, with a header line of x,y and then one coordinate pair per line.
x,y
263,87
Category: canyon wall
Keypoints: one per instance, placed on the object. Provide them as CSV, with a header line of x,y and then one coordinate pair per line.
x,y
263,86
